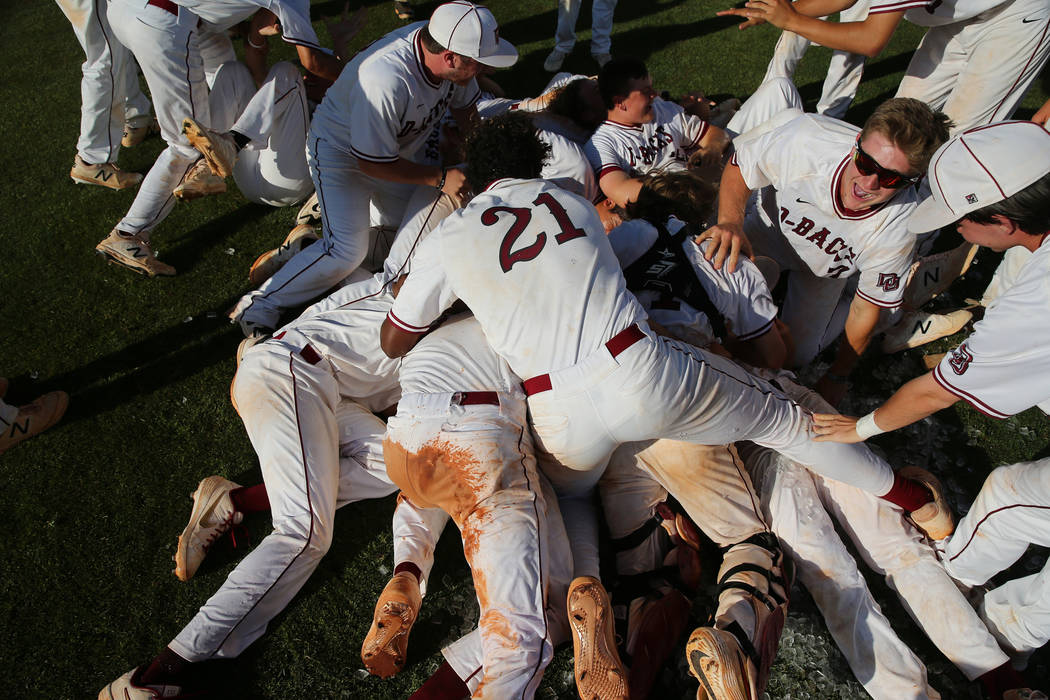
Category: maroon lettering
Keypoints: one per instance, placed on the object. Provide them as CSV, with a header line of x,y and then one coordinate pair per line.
x,y
837,271
568,230
804,226
819,237
508,256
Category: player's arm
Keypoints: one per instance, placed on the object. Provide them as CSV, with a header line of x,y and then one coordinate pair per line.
x,y
451,181
767,350
868,37
620,187
1042,115
396,342
860,327
321,64
727,236
919,398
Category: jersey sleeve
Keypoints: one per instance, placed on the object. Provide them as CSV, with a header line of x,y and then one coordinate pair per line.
x,y
767,154
884,267
568,167
602,154
883,6
295,22
375,103
425,293
742,297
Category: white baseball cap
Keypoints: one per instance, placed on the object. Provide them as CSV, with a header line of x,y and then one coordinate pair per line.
x,y
981,166
471,30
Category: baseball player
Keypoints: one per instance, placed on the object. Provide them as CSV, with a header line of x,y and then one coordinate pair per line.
x,y
397,90
20,423
993,183
828,201
590,385
165,38
642,132
565,33
803,509
110,98
975,62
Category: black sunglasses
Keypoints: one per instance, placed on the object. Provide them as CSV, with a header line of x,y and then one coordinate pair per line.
x,y
890,179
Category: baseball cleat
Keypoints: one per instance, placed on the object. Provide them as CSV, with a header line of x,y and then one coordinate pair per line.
x,y
931,361
933,274
552,64
600,674
133,253
127,688
33,418
918,328
386,644
104,174
717,661
212,517
267,264
199,182
310,212
219,150
259,336
135,132
934,518
1024,694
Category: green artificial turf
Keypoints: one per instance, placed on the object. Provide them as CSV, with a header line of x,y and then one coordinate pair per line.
x,y
91,509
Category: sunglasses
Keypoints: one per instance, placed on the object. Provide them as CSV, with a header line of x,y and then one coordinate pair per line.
x,y
889,179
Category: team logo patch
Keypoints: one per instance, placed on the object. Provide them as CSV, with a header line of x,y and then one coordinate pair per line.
x,y
971,198
960,359
889,281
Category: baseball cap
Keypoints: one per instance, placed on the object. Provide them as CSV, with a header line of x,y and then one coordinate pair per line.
x,y
981,166
471,30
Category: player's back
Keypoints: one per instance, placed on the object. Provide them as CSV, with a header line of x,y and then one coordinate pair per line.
x,y
532,262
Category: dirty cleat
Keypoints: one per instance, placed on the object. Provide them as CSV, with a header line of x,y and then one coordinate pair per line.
x,y
134,253
918,328
199,182
220,150
267,264
310,212
717,661
934,518
104,174
212,517
386,644
933,274
128,687
33,418
552,64
600,674
136,131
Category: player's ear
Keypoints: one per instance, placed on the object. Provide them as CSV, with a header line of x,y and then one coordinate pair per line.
x,y
448,58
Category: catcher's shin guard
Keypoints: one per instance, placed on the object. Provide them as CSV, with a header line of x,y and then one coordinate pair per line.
x,y
753,595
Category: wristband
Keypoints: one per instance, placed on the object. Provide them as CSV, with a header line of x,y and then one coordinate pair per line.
x,y
867,427
444,174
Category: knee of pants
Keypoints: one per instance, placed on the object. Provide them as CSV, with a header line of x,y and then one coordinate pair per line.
x,y
315,537
284,74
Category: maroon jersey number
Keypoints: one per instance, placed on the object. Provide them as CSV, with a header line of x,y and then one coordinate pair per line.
x,y
522,216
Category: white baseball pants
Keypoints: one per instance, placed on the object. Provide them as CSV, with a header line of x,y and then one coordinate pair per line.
x,y
844,72
772,97
977,71
661,388
166,48
416,533
601,25
475,462
1011,512
109,90
272,168
317,452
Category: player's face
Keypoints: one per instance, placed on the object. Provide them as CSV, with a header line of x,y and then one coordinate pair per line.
x,y
462,69
995,236
638,105
860,191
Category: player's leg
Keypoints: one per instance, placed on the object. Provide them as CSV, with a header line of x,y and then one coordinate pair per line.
x,y
231,91
601,30
809,312
934,69
1018,614
844,71
564,34
788,51
771,98
1006,49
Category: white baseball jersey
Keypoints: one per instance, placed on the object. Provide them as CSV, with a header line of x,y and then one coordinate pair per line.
x,y
294,16
392,100
456,357
514,266
1003,368
933,13
742,297
801,162
567,165
661,144
883,6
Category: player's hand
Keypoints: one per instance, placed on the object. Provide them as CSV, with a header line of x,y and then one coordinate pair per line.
x,y
345,28
832,427
456,184
832,390
1043,115
779,13
727,241
696,104
742,12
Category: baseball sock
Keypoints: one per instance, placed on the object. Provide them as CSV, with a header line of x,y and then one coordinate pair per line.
x,y
166,669
999,680
908,494
445,684
250,499
410,568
